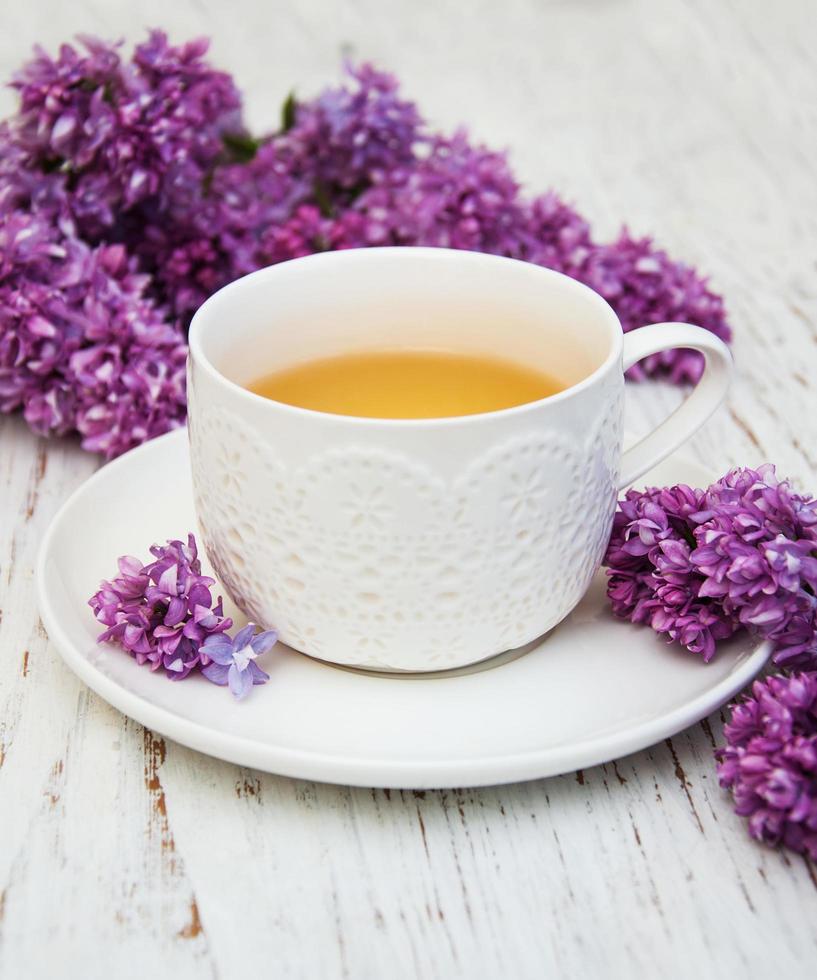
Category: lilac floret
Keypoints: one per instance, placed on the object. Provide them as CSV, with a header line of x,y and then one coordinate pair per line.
x,y
233,660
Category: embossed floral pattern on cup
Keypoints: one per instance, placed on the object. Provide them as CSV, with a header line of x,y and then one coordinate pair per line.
x,y
458,538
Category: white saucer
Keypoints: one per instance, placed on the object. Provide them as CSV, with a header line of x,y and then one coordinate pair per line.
x,y
592,690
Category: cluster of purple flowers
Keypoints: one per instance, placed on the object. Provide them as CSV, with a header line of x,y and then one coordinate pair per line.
x,y
698,565
161,613
770,761
130,190
100,152
164,615
82,347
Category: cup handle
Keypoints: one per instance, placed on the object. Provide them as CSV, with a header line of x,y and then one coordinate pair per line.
x,y
695,410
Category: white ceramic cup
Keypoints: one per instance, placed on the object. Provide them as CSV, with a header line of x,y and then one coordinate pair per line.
x,y
402,544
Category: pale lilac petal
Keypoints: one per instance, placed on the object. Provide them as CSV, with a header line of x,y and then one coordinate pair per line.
x,y
218,648
168,579
243,636
128,565
258,675
240,682
176,611
217,673
264,641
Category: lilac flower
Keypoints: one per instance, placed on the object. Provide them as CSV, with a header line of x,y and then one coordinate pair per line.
x,y
456,196
81,347
136,148
162,613
130,191
770,761
121,134
305,232
552,234
697,565
221,230
348,136
233,660
643,285
646,518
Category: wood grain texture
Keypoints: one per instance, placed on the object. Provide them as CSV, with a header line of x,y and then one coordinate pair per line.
x,y
123,855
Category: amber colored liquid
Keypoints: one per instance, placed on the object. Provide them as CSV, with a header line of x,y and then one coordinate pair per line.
x,y
406,384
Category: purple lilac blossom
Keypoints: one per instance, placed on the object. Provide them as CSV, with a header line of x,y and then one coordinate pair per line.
x,y
81,347
769,761
206,241
114,135
304,232
552,234
347,137
233,660
162,613
697,565
455,196
130,191
643,285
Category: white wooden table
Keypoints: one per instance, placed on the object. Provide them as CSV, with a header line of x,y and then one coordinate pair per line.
x,y
122,855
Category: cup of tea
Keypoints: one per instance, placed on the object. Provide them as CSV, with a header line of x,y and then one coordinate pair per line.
x,y
408,459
